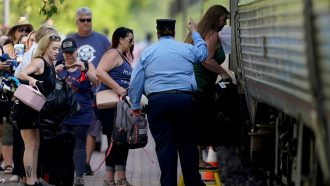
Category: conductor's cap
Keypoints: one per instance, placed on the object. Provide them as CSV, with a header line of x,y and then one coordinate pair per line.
x,y
165,23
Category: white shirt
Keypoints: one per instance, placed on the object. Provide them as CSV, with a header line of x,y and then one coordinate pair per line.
x,y
225,39
27,58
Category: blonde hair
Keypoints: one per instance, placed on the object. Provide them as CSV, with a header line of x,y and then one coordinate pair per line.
x,y
43,45
44,30
28,43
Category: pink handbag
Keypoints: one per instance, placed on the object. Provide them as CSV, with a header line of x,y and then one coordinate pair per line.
x,y
106,99
30,96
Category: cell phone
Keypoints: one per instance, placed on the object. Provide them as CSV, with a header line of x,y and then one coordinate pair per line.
x,y
71,66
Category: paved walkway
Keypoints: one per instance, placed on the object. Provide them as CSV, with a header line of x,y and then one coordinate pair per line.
x,y
142,168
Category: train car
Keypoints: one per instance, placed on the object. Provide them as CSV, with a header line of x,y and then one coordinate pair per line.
x,y
281,56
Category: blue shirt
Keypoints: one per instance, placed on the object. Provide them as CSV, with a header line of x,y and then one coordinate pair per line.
x,y
92,47
120,74
167,65
82,87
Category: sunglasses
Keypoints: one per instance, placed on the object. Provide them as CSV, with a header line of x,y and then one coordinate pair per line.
x,y
85,20
130,40
71,66
54,38
23,30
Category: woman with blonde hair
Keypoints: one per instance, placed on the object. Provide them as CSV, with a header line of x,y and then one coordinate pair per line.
x,y
41,73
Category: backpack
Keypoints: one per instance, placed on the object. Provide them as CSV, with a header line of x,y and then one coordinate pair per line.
x,y
129,130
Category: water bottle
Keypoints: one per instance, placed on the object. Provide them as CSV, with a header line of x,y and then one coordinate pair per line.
x,y
19,51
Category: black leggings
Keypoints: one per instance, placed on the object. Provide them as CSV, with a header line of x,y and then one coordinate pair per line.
x,y
118,154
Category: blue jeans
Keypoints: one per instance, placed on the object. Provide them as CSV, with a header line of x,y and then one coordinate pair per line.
x,y
79,153
170,122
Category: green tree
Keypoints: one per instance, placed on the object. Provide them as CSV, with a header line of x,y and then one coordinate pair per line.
x,y
139,15
49,8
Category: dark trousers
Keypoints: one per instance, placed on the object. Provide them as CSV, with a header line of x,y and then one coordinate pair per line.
x,y
79,152
18,151
55,157
169,117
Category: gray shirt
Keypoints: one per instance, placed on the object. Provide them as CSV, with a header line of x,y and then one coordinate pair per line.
x,y
92,47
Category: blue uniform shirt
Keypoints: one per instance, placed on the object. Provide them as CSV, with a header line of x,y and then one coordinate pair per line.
x,y
167,65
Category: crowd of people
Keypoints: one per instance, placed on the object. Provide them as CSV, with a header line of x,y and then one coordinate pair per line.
x,y
168,72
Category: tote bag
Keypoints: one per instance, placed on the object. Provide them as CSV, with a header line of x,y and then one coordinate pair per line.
x,y
30,96
106,99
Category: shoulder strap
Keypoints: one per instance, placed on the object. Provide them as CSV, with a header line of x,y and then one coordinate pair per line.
x,y
52,68
121,55
1,48
43,59
32,53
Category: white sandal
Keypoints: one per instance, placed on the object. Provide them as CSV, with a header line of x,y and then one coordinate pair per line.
x,y
14,179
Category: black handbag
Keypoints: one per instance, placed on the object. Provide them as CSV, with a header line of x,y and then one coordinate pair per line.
x,y
216,116
5,104
60,105
226,101
227,110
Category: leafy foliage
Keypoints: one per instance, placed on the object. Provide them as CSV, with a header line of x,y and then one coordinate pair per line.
x,y
139,15
49,8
